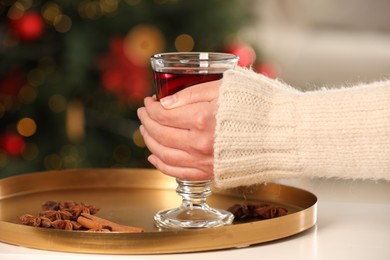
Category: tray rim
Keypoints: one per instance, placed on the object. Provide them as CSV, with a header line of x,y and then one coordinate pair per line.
x,y
306,218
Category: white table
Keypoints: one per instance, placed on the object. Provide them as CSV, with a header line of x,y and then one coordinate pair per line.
x,y
353,223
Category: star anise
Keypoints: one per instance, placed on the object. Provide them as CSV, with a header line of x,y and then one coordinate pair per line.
x,y
75,209
56,214
62,224
39,221
49,205
256,211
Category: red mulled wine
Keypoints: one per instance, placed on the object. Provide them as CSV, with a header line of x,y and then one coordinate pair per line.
x,y
170,83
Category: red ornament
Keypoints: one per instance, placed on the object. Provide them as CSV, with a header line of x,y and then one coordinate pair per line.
x,y
119,75
29,27
245,52
13,144
267,70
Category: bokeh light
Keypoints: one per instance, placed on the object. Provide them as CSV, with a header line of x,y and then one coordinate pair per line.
x,y
184,42
75,121
89,9
138,139
26,127
27,95
246,53
62,23
95,9
141,42
28,27
50,11
13,144
16,11
108,6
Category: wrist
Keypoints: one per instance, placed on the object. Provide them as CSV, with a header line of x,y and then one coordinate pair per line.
x,y
254,137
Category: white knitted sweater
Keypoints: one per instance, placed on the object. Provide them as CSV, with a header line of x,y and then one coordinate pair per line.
x,y
267,130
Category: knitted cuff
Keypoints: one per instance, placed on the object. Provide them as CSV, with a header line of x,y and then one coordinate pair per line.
x,y
255,125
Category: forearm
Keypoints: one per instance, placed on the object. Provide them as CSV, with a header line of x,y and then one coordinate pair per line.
x,y
345,133
267,130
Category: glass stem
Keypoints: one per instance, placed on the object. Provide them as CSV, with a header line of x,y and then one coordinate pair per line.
x,y
193,193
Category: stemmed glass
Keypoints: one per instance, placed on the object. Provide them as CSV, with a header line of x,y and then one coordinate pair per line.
x,y
173,72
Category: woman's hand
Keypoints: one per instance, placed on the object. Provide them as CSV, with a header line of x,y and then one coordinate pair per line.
x,y
179,131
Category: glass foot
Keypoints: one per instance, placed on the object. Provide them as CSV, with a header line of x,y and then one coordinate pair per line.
x,y
199,216
194,212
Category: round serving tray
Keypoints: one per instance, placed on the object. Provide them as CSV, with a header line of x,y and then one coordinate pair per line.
x,y
132,197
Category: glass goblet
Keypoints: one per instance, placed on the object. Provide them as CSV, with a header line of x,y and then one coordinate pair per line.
x,y
173,72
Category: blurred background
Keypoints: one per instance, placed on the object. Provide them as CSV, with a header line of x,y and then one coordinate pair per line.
x,y
74,72
324,42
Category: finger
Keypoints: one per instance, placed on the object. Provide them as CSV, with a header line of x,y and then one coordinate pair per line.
x,y
158,113
157,143
162,151
171,156
198,116
176,138
179,172
197,93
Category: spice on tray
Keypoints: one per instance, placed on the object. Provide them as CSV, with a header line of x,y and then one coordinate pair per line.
x,y
256,211
96,223
70,215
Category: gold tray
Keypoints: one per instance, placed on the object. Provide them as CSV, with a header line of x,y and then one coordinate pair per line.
x,y
132,197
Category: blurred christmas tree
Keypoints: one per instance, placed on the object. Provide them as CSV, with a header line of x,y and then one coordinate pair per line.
x,y
73,73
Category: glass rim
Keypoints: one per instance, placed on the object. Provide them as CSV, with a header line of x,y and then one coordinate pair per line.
x,y
194,56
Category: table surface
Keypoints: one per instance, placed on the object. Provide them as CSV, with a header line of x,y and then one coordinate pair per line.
x,y
353,223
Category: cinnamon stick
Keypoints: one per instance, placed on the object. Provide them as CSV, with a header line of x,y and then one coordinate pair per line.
x,y
96,223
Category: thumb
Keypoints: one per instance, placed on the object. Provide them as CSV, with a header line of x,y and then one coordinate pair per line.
x,y
203,92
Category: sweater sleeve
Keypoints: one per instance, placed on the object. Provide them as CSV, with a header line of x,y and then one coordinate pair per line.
x,y
267,130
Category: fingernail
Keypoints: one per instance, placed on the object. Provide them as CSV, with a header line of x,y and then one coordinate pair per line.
x,y
151,159
141,129
168,101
